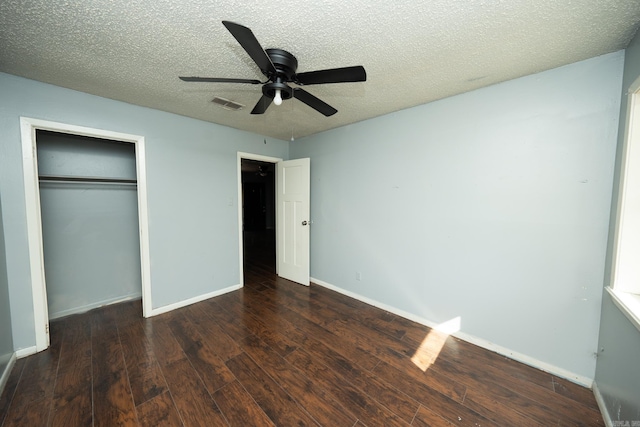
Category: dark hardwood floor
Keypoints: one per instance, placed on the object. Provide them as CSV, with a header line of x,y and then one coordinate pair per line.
x,y
277,353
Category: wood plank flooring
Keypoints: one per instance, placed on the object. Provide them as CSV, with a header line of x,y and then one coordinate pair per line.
x,y
277,354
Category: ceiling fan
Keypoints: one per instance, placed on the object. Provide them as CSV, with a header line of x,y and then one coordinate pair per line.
x,y
279,66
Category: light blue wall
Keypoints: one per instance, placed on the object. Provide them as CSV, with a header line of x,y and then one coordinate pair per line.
x,y
61,154
192,191
618,366
491,206
6,336
90,244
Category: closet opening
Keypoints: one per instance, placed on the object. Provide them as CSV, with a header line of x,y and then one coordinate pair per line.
x,y
89,216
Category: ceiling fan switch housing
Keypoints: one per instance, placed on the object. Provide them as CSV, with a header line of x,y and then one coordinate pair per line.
x,y
269,90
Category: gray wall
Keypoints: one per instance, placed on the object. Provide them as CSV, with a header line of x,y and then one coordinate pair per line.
x,y
6,336
618,370
491,206
89,230
192,191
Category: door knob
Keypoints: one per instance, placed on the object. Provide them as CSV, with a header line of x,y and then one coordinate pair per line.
x,y
304,222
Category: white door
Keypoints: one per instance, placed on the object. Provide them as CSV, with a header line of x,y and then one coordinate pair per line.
x,y
292,212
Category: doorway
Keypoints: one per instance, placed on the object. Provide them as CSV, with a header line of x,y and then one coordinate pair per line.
x,y
292,200
29,127
258,217
256,214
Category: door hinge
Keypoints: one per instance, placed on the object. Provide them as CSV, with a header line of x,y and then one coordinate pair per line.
x,y
46,328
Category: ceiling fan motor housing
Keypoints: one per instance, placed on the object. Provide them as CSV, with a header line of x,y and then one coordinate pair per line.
x,y
286,65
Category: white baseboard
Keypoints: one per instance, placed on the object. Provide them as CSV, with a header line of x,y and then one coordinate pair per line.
x,y
24,352
184,303
602,405
527,360
7,371
85,308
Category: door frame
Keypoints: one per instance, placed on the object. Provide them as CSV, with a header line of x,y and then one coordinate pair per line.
x,y
28,128
249,156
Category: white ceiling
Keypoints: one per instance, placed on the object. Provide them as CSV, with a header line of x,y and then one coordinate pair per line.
x,y
414,52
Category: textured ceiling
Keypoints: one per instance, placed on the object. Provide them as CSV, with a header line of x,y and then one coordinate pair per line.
x,y
414,51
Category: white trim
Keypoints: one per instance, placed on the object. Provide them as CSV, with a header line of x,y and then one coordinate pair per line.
x,y
34,231
27,351
628,303
624,271
143,219
7,371
241,155
28,127
184,303
527,360
85,308
602,405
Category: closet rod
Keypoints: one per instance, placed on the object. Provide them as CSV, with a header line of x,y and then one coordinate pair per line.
x,y
86,179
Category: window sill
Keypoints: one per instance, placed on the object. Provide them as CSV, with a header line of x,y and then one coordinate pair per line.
x,y
628,303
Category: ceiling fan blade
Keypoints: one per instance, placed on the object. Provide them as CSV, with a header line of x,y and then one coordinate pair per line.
x,y
313,102
262,105
219,80
249,43
333,75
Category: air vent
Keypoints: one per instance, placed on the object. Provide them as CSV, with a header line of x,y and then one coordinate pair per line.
x,y
226,104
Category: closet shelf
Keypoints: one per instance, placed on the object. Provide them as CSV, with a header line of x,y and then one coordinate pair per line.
x,y
86,179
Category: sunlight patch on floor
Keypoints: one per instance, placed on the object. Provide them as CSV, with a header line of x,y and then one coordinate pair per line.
x,y
431,346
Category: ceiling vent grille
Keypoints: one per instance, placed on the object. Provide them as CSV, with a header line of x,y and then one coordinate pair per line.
x,y
227,104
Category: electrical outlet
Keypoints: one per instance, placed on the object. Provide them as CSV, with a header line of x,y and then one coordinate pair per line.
x,y
358,276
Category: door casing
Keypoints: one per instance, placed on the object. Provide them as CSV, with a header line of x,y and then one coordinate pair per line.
x,y
28,128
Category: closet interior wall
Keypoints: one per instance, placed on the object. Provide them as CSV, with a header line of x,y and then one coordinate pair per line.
x,y
89,210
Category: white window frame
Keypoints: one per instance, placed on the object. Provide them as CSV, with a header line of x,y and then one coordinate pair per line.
x,y
624,286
